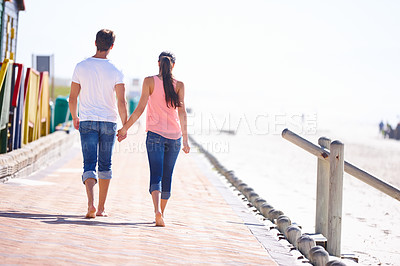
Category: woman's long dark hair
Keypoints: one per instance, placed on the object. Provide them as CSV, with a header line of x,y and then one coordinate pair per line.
x,y
166,60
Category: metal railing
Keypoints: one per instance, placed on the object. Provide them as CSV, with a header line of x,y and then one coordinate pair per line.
x,y
330,169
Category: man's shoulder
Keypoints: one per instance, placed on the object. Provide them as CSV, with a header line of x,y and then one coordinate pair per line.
x,y
111,63
83,62
105,65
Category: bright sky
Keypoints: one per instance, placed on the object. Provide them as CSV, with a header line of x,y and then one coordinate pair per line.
x,y
309,55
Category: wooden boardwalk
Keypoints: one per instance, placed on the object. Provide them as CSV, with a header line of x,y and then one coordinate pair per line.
x,y
42,218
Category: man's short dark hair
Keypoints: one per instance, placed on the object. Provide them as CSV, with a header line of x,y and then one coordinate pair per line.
x,y
104,39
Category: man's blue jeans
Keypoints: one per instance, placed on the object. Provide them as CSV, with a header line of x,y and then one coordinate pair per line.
x,y
162,154
97,140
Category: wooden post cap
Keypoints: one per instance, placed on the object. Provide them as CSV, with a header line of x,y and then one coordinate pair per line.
x,y
258,202
293,232
283,222
274,214
318,256
304,244
265,208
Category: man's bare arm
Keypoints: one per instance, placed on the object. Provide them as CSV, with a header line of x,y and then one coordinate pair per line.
x,y
121,102
73,103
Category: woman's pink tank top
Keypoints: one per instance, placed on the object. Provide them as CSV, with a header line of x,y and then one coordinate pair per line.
x,y
161,119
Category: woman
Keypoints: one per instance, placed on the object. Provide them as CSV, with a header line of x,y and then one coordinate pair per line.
x,y
166,124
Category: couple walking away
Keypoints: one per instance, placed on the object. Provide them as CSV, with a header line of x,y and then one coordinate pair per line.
x,y
101,90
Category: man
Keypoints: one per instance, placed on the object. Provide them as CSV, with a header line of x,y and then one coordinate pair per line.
x,y
96,80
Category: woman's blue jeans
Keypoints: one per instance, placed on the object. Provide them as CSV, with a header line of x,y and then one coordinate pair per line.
x,y
97,140
162,154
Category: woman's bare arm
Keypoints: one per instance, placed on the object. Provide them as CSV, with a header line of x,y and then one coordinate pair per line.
x,y
180,87
147,84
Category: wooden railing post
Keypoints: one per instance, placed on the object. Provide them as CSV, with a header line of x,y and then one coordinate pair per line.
x,y
335,198
321,215
335,163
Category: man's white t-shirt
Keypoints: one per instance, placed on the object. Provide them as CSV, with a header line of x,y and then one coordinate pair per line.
x,y
97,100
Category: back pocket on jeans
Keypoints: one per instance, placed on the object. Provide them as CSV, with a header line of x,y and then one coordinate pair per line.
x,y
110,128
85,127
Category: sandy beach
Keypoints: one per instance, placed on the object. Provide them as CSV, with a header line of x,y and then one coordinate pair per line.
x,y
285,176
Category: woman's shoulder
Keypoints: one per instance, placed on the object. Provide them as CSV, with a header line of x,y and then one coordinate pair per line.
x,y
148,82
149,79
179,84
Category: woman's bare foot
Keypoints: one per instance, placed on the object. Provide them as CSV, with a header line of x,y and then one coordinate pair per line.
x,y
102,213
91,212
159,219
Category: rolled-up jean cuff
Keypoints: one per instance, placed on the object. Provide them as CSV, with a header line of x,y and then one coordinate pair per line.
x,y
154,187
165,195
89,174
105,174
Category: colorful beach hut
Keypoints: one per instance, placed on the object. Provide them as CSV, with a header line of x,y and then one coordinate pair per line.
x,y
5,95
30,121
44,114
9,27
17,107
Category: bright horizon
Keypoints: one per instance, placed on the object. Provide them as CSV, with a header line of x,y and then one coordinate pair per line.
x,y
312,56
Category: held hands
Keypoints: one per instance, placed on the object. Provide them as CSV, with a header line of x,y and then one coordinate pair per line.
x,y
122,133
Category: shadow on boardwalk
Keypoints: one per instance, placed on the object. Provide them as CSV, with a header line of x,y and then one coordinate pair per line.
x,y
68,219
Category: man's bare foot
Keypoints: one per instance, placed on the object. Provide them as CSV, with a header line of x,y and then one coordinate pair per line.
x,y
103,213
159,219
91,212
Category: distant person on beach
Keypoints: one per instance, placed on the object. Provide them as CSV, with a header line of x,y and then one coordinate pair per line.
x,y
396,134
166,125
389,132
381,128
101,90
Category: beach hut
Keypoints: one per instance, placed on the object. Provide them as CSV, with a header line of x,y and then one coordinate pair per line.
x,y
9,27
29,121
5,94
43,114
9,96
17,107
